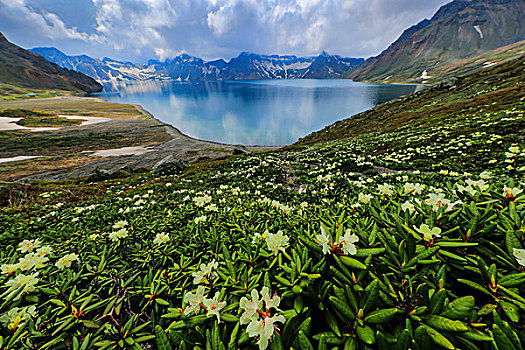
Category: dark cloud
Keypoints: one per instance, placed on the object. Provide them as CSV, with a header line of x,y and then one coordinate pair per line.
x,y
141,29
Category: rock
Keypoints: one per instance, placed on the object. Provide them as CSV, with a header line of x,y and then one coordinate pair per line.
x,y
242,150
449,83
120,173
200,158
169,166
99,175
127,168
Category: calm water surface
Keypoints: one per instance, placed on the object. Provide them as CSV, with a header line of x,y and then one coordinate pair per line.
x,y
269,112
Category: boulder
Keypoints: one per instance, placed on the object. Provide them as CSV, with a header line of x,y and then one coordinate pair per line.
x,y
169,166
242,150
99,175
449,83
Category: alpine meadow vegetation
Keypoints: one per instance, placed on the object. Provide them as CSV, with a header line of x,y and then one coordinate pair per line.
x,y
405,239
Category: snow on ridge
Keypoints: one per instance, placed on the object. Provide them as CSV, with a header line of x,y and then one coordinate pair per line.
x,y
478,29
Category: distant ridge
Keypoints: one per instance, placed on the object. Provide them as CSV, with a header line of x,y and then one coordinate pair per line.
x,y
246,66
459,30
23,68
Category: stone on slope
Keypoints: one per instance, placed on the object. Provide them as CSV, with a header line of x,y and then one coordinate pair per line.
x,y
169,166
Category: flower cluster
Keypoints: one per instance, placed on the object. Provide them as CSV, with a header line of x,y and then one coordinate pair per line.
x,y
257,313
346,244
198,301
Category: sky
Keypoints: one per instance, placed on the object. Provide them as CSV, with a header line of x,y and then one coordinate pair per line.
x,y
138,30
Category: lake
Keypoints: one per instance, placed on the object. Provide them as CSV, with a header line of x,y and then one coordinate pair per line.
x,y
269,112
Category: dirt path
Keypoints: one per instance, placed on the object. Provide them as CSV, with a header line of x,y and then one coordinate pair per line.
x,y
119,142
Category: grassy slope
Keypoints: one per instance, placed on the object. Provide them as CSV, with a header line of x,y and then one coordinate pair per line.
x,y
23,68
421,165
464,67
494,88
448,37
12,93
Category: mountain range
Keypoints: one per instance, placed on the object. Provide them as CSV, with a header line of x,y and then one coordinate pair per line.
x,y
459,30
247,66
22,68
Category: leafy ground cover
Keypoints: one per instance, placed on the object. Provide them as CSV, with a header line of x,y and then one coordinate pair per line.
x,y
407,238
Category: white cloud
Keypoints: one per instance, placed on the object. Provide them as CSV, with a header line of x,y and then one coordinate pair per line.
x,y
134,24
47,23
140,29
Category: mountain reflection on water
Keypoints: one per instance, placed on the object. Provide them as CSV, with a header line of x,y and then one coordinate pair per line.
x,y
267,112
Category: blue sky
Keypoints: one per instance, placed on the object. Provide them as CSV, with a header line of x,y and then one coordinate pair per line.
x,y
137,30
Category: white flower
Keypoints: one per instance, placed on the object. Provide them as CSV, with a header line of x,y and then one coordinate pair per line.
x,y
264,329
324,241
364,198
416,188
428,233
519,254
195,301
258,314
66,261
116,236
161,238
511,192
31,260
200,219
212,207
271,301
45,250
27,246
27,281
15,316
206,271
250,307
407,206
120,224
385,189
213,306
276,242
348,241
485,175
9,268
468,189
437,200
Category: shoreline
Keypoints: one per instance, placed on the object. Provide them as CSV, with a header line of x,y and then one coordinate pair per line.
x,y
129,127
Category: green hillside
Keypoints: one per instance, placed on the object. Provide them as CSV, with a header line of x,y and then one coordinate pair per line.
x,y
27,70
460,30
401,228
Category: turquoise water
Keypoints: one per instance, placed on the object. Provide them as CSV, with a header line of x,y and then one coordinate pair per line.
x,y
269,112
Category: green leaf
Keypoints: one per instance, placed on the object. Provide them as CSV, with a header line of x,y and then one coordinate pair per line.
x,y
445,324
437,300
342,308
381,316
501,339
352,263
511,310
365,252
90,324
511,242
304,343
161,338
474,285
366,334
459,308
438,338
